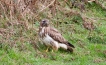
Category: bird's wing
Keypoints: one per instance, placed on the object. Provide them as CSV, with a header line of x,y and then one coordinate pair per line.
x,y
55,34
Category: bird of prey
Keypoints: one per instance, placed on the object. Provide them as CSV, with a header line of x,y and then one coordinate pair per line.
x,y
52,38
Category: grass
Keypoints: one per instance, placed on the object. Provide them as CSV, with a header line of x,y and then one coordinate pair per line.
x,y
90,50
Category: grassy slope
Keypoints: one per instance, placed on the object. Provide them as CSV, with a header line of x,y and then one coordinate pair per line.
x,y
86,52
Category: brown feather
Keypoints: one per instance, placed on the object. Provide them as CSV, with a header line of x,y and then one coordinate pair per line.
x,y
52,32
45,29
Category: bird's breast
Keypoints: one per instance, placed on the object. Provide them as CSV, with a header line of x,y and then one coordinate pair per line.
x,y
47,40
41,33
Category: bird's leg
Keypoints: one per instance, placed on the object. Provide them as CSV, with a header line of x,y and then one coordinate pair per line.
x,y
54,49
47,49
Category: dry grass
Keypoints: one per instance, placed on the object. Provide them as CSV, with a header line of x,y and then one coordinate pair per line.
x,y
19,22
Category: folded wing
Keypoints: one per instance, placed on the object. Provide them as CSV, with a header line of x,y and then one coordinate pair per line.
x,y
52,32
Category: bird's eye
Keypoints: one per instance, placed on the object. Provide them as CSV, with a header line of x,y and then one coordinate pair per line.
x,y
44,21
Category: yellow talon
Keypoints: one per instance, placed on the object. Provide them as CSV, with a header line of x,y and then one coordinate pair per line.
x,y
52,50
47,49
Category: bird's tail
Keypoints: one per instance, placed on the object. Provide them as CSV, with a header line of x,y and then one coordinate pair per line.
x,y
69,44
70,47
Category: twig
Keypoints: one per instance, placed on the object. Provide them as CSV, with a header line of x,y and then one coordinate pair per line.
x,y
45,8
4,11
8,3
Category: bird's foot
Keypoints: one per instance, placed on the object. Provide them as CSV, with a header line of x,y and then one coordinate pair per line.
x,y
47,49
52,50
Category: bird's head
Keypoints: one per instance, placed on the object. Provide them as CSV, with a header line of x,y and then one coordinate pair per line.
x,y
44,23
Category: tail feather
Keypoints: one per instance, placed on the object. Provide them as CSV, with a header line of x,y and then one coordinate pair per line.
x,y
70,49
69,44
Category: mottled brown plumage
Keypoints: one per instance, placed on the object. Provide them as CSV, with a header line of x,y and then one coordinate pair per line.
x,y
52,37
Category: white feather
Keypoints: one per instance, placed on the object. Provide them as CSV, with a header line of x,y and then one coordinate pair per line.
x,y
42,31
47,40
64,46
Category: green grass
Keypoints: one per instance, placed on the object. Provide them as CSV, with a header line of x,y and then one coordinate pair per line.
x,y
90,50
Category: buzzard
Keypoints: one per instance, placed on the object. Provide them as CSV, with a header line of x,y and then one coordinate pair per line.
x,y
52,38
